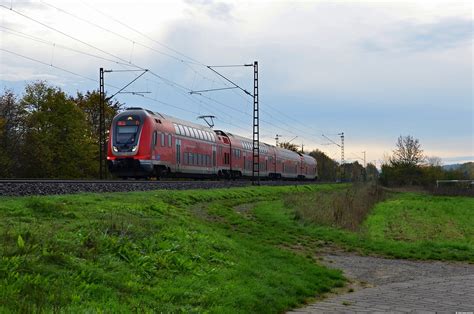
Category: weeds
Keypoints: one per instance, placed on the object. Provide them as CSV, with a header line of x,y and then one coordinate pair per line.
x,y
344,208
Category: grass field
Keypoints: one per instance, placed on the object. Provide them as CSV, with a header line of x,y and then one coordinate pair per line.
x,y
190,251
228,250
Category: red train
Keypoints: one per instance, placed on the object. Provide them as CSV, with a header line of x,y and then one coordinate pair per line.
x,y
145,144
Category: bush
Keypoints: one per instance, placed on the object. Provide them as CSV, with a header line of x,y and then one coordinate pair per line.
x,y
345,208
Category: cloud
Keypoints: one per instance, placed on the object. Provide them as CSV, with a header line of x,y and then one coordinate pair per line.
x,y
214,9
412,37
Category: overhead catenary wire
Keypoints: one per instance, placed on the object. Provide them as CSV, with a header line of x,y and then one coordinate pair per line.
x,y
146,36
128,63
195,61
50,43
190,59
67,35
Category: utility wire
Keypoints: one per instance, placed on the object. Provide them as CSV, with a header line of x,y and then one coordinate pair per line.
x,y
161,77
117,57
37,39
67,35
146,36
49,65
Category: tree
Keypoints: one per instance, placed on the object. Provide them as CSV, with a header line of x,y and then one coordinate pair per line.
x,y
89,104
434,161
371,171
404,166
353,171
327,167
57,135
12,118
408,152
289,146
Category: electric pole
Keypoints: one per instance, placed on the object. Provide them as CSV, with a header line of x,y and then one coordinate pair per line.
x,y
342,151
256,128
342,147
255,125
102,162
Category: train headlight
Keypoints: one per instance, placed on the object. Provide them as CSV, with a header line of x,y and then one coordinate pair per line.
x,y
134,148
115,149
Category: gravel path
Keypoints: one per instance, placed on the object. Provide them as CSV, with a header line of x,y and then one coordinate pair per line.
x,y
390,285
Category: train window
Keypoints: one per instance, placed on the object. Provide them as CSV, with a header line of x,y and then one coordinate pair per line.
x,y
200,160
191,158
208,160
176,129
154,138
181,129
169,140
185,159
162,139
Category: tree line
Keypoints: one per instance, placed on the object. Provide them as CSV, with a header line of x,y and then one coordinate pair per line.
x,y
47,133
408,165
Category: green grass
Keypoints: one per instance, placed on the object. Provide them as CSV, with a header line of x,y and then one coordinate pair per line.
x,y
228,250
407,225
166,251
412,217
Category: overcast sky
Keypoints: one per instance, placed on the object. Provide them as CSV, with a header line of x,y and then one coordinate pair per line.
x,y
373,70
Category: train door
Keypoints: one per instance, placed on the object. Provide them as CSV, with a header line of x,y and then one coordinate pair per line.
x,y
178,155
214,159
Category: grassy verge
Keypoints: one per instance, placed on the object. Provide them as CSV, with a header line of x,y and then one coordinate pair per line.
x,y
189,251
406,225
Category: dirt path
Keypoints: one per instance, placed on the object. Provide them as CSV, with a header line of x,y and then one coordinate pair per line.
x,y
391,285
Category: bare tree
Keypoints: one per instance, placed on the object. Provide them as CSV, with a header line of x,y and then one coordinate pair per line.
x,y
408,152
434,161
289,146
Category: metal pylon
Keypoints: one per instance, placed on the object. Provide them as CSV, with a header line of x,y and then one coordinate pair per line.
x,y
256,135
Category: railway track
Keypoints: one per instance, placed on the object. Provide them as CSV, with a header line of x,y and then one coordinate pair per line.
x,y
25,187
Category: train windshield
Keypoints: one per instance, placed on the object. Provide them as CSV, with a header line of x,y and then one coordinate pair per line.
x,y
127,131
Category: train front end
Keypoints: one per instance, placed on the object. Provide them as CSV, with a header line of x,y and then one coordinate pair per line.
x,y
128,152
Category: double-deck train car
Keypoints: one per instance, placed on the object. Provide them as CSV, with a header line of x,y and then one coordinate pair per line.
x,y
145,144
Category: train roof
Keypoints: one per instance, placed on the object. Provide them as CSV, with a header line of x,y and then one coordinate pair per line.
x,y
171,119
309,158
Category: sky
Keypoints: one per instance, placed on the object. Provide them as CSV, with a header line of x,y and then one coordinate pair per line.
x,y
374,70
